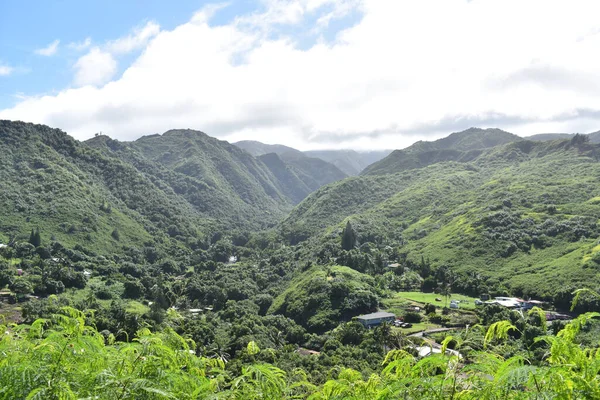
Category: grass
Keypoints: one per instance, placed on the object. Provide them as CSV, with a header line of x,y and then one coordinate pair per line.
x,y
423,298
135,307
417,327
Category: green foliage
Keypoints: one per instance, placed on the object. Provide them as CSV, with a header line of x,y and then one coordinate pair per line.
x,y
322,296
348,237
518,218
35,238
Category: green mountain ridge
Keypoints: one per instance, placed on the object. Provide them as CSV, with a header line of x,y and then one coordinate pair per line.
x,y
594,137
80,196
349,162
462,146
523,216
183,184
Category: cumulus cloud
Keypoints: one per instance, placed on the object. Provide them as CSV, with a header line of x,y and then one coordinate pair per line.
x,y
80,46
49,50
407,70
5,70
134,41
95,68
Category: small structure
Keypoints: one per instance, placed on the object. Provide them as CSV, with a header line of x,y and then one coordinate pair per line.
x,y
425,351
375,319
307,352
529,304
508,302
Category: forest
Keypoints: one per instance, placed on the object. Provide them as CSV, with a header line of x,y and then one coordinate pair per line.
x,y
180,266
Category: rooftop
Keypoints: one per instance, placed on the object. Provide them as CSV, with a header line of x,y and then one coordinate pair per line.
x,y
375,315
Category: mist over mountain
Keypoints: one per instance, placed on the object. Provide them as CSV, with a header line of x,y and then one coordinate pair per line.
x,y
351,162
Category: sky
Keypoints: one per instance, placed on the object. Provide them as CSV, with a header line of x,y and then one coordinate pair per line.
x,y
311,74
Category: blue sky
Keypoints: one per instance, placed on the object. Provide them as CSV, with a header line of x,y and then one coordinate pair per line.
x,y
27,25
311,74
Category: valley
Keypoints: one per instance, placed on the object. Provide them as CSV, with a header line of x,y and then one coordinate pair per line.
x,y
250,263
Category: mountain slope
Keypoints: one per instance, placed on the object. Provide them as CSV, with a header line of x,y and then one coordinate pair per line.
x,y
258,149
594,137
78,195
349,161
289,179
459,146
523,216
549,136
219,181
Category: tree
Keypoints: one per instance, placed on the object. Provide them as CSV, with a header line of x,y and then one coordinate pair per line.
x,y
21,287
35,238
348,237
133,289
115,234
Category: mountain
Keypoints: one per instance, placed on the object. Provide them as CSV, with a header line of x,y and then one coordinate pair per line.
x,y
594,136
298,176
462,146
182,185
258,149
298,173
521,216
217,179
549,136
350,161
79,196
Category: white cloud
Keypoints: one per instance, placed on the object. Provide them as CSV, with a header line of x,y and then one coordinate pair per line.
x,y
5,70
95,68
80,46
49,50
408,70
134,41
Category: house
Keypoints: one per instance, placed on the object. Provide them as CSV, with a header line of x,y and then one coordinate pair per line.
x,y
529,304
375,319
508,302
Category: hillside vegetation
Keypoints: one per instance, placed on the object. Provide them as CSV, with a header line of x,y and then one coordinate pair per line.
x,y
65,358
462,146
522,216
103,193
349,162
172,267
320,296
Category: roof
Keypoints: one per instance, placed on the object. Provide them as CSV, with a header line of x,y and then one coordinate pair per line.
x,y
505,303
377,315
425,351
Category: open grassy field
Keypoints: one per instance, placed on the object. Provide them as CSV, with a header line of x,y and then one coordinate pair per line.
x,y
417,327
400,298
